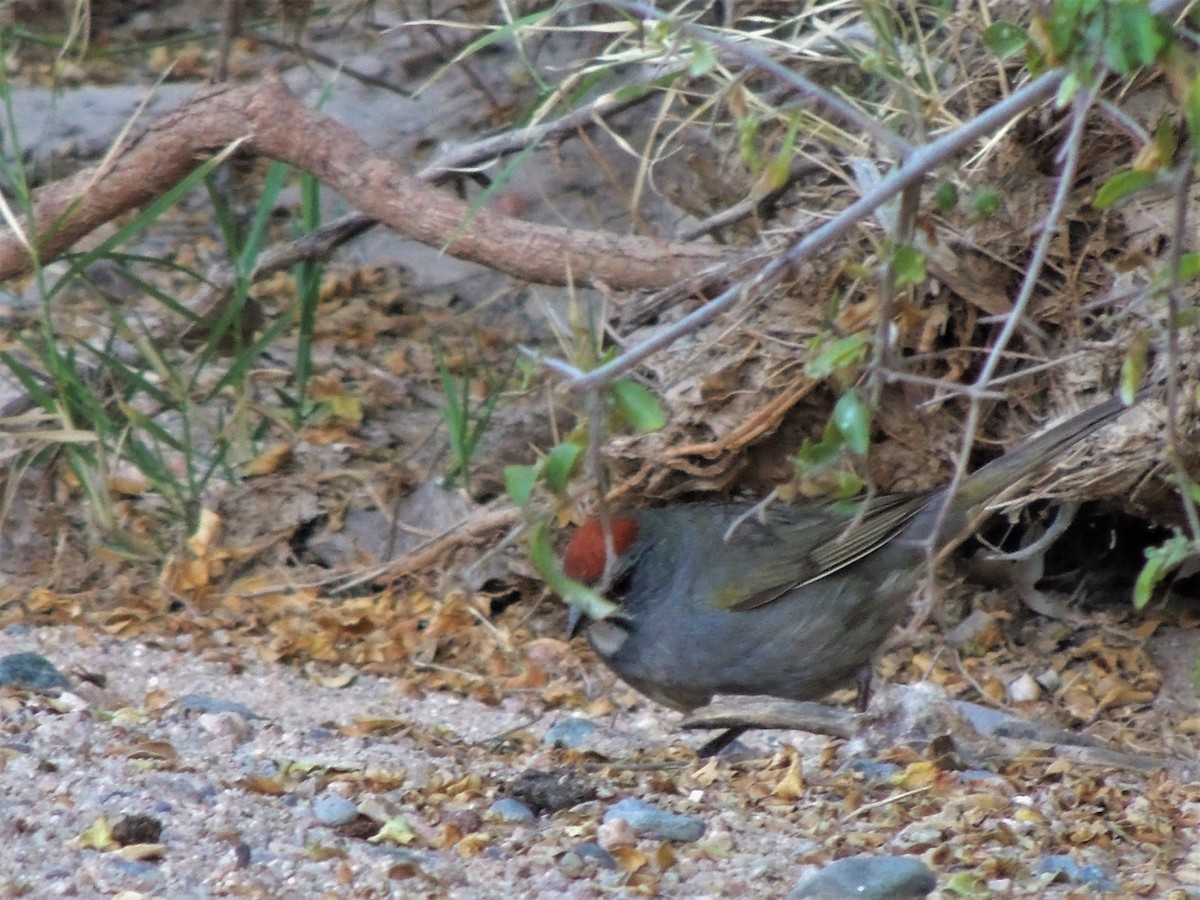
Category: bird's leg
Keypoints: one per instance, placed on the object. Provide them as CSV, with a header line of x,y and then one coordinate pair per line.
x,y
862,681
721,741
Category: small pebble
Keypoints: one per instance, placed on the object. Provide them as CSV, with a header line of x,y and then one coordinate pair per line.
x,y
1064,868
872,770
595,852
571,734
871,877
551,791
615,833
232,729
647,820
202,704
977,775
465,820
969,629
571,864
31,672
1050,680
1024,689
137,829
332,810
506,809
69,701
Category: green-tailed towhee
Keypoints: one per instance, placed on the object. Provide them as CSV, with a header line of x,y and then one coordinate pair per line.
x,y
793,601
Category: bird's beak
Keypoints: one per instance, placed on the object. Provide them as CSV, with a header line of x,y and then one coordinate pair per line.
x,y
575,621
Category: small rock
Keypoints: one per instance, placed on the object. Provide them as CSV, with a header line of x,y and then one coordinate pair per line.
x,y
31,672
615,833
572,733
230,728
506,809
1024,689
972,776
333,810
1064,868
137,830
1050,680
872,770
342,789
871,877
969,629
598,854
465,820
647,820
202,704
550,791
571,864
69,701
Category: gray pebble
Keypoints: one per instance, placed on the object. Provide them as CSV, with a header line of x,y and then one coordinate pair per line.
x,y
571,864
871,877
333,810
203,704
32,672
647,820
871,770
571,733
506,809
595,852
1064,868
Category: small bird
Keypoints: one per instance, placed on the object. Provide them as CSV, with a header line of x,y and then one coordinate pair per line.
x,y
790,601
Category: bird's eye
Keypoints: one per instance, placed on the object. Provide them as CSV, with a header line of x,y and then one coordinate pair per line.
x,y
622,584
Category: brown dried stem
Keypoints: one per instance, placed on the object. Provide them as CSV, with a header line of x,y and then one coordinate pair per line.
x,y
273,123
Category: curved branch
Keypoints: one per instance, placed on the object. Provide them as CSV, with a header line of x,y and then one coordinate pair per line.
x,y
272,122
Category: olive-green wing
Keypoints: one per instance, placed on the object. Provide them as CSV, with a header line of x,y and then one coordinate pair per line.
x,y
832,542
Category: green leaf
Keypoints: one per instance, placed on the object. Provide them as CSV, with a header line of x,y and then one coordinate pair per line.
x,y
1160,562
1121,185
1133,368
1189,266
747,131
1166,142
846,484
909,265
1005,39
519,482
703,59
1133,38
985,203
1191,110
779,169
582,597
559,464
853,420
836,355
1066,90
638,407
814,455
945,198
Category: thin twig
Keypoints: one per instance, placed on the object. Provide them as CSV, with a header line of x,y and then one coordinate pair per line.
x,y
1066,181
1183,183
919,163
833,105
